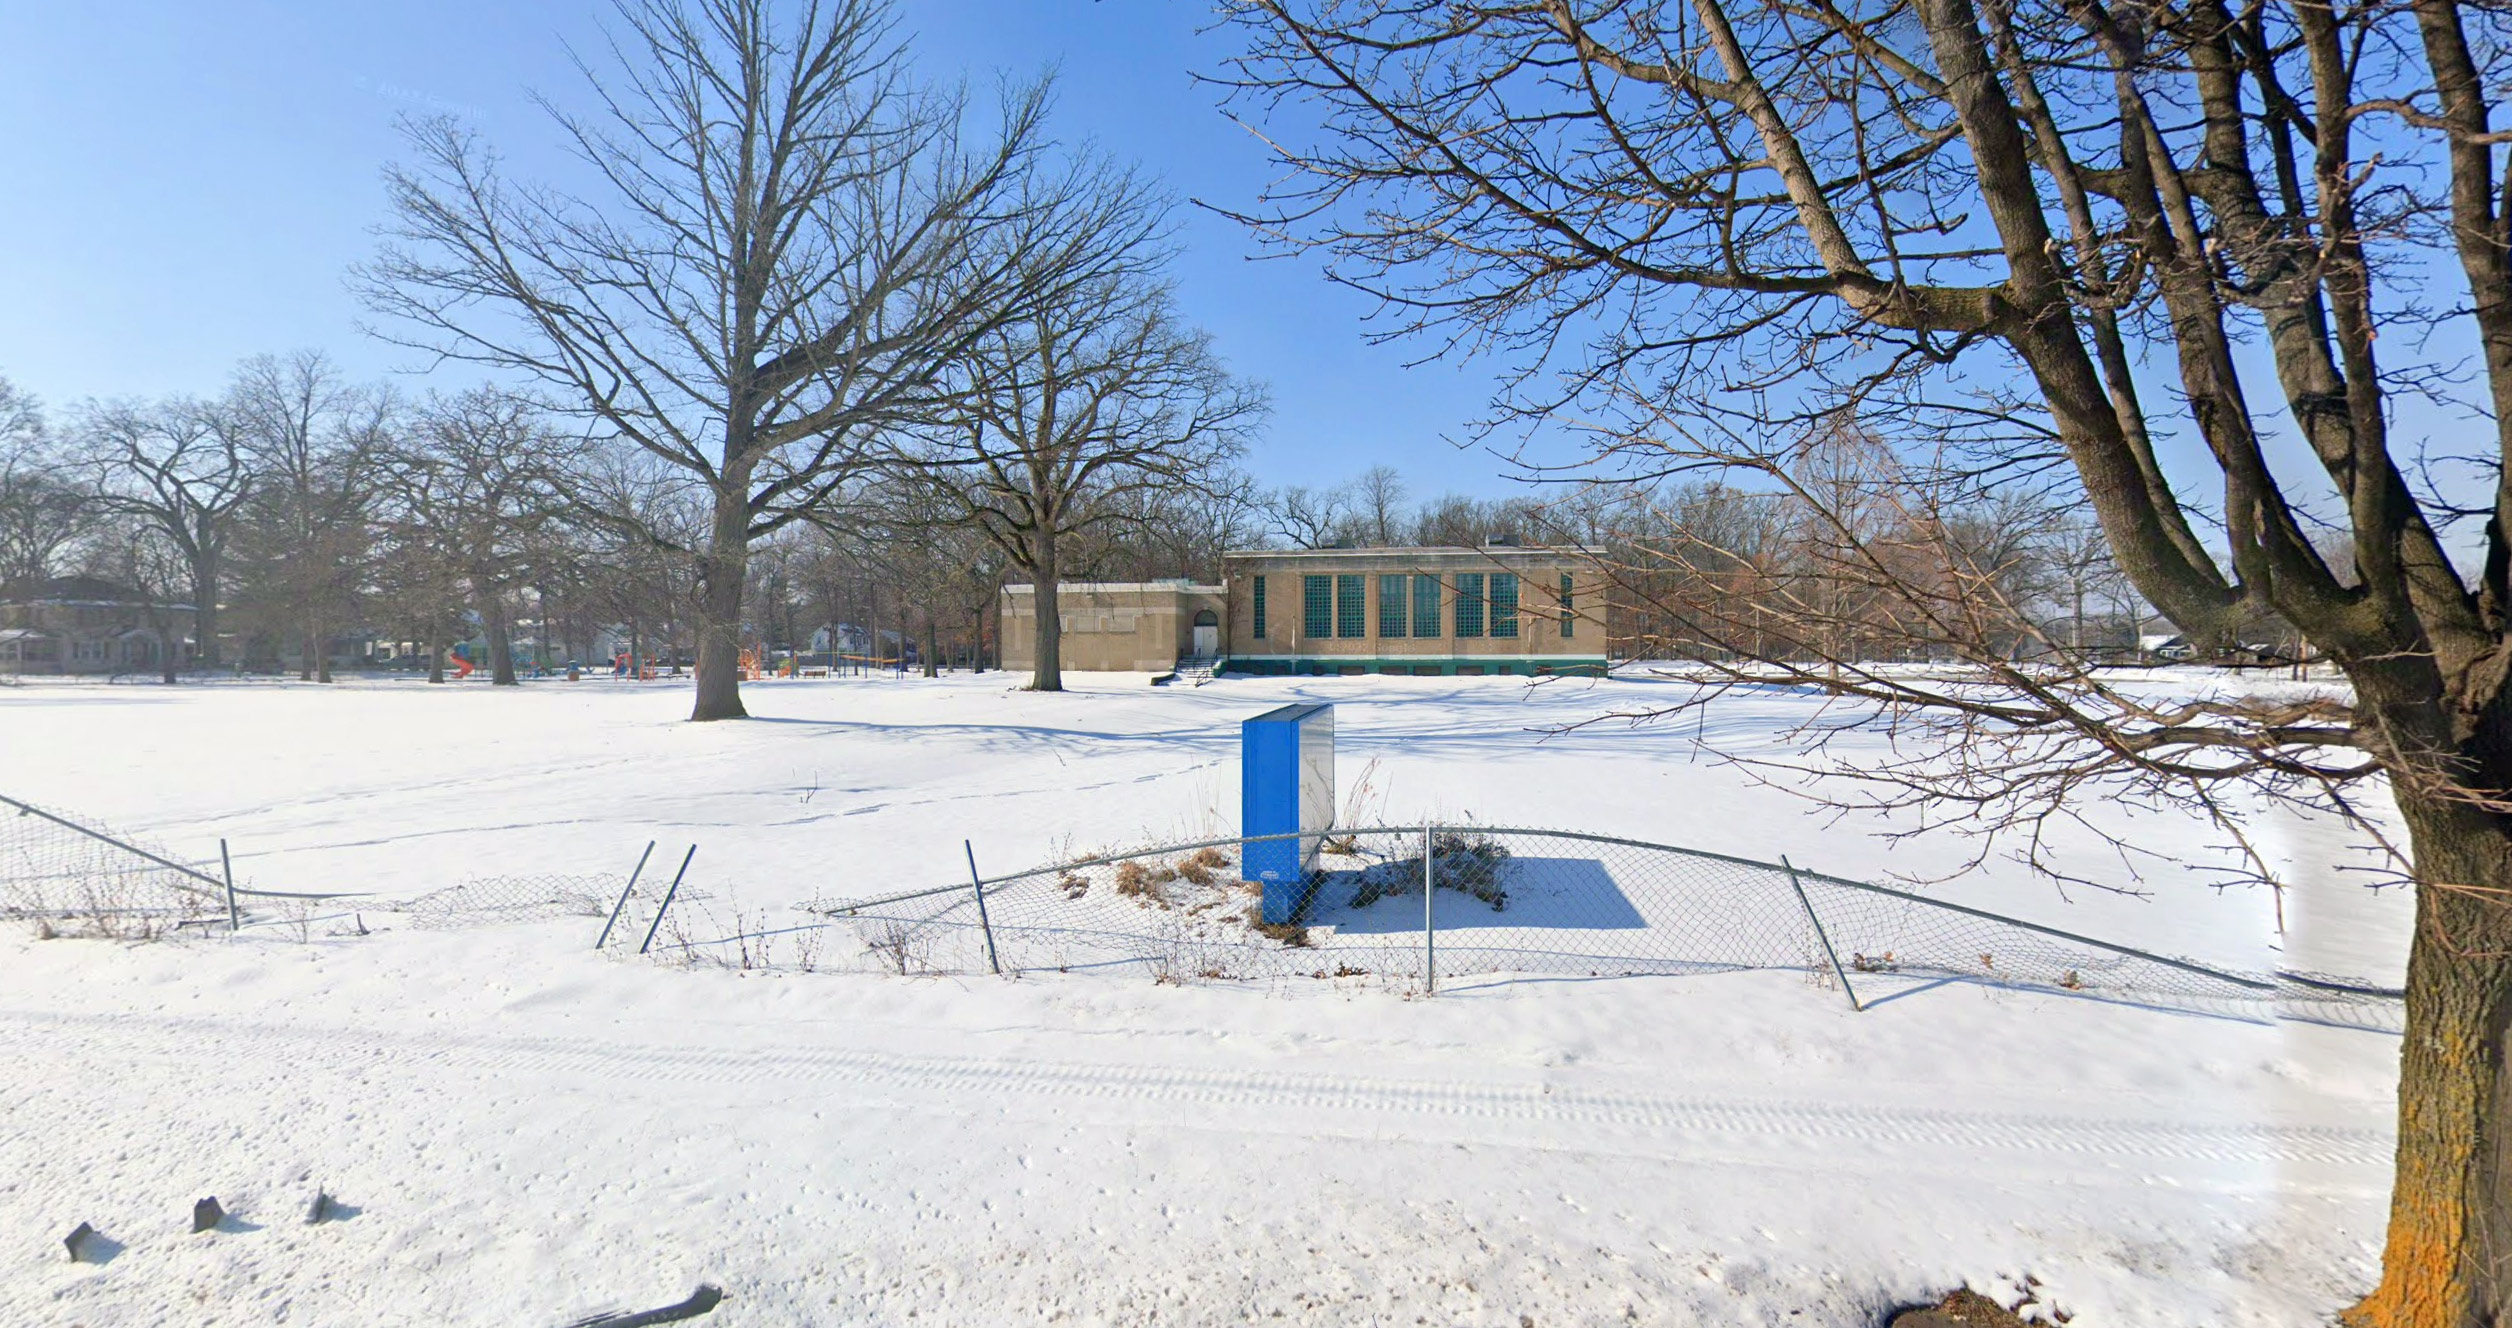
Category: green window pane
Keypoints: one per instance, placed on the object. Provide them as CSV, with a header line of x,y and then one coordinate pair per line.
x,y
1259,606
1569,617
1351,605
1391,617
1425,605
1504,604
1317,606
1469,604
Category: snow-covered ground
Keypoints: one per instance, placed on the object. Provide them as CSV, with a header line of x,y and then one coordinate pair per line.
x,y
529,1133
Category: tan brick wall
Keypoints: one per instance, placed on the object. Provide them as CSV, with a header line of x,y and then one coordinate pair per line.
x,y
1110,628
1539,574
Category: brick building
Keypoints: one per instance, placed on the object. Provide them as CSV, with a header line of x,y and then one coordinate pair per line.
x,y
1118,626
1499,609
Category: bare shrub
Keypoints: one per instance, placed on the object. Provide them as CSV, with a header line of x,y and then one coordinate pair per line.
x,y
1136,881
1472,864
896,944
1293,934
1202,867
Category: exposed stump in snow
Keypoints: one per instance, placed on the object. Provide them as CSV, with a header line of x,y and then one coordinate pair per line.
x,y
1963,1309
76,1239
207,1214
318,1210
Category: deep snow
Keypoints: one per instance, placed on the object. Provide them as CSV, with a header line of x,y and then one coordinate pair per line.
x,y
531,1133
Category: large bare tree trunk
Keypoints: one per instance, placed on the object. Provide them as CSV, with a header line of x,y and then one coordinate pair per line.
x,y
721,573
205,612
1048,673
501,640
2449,1258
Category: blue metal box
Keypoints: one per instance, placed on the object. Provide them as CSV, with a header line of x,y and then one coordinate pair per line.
x,y
1286,785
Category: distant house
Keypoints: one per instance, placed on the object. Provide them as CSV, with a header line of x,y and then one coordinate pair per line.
x,y
2164,646
86,624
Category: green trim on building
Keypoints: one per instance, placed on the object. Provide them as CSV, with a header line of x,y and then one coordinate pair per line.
x,y
1444,666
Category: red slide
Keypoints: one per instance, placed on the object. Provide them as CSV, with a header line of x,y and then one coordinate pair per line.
x,y
462,668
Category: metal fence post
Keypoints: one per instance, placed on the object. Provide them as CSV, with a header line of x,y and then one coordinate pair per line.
x,y
977,885
623,895
1430,928
1820,935
668,895
226,869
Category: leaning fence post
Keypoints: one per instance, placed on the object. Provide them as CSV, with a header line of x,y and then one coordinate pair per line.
x,y
1430,929
623,895
226,869
668,895
1820,934
977,884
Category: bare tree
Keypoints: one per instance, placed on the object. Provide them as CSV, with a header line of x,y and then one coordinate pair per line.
x,y
1312,518
179,467
791,244
2025,240
1379,494
487,481
44,510
316,448
1095,394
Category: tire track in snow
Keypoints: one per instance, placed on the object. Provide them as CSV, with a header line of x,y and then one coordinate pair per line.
x,y
963,1079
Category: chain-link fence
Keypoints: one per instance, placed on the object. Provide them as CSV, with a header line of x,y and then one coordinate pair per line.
x,y
1517,902
72,875
62,875
1500,901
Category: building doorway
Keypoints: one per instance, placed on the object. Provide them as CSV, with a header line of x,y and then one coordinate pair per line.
x,y
1207,634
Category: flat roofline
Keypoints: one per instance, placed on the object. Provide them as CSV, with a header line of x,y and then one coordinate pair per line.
x,y
1178,587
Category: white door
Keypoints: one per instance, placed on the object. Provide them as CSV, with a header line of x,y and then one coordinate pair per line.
x,y
1207,641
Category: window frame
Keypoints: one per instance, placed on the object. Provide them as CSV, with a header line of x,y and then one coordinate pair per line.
x,y
1427,618
1351,606
1500,610
1256,605
1569,615
1316,606
1394,610
1467,617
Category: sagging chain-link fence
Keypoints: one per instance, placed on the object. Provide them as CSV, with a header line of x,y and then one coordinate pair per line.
x,y
72,875
60,874
1510,901
1502,901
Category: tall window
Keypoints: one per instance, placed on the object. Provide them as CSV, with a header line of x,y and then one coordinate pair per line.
x,y
1504,604
1425,605
1351,605
1569,617
1259,606
1391,618
1469,604
1317,606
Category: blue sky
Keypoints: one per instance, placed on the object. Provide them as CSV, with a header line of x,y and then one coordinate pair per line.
x,y
187,183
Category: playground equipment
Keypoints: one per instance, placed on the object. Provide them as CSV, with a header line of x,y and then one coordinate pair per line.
x,y
461,662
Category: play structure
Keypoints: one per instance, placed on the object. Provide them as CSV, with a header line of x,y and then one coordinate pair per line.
x,y
460,659
1286,787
